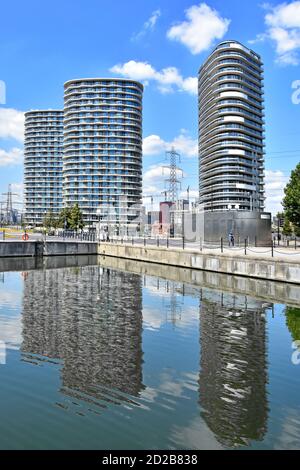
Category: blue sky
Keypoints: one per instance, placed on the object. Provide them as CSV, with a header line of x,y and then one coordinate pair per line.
x,y
161,43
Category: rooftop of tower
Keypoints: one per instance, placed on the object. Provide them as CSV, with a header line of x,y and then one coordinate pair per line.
x,y
237,44
107,79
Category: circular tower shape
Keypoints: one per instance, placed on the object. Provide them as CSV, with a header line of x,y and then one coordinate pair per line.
x,y
231,130
102,163
43,149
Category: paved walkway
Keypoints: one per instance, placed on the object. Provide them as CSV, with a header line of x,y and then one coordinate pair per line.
x,y
283,253
288,254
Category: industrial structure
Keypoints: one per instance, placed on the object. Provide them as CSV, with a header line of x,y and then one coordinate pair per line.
x,y
175,174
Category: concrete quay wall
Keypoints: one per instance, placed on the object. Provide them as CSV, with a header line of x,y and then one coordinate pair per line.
x,y
12,249
249,266
268,291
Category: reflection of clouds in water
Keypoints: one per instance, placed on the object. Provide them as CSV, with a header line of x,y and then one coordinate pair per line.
x,y
149,395
196,435
10,318
174,384
171,384
11,331
289,439
153,318
10,299
164,303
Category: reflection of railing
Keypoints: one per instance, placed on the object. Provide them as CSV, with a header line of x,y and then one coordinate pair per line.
x,y
289,248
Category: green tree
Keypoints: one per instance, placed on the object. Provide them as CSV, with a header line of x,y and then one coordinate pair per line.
x,y
64,218
50,220
293,322
291,201
280,216
287,228
297,230
76,218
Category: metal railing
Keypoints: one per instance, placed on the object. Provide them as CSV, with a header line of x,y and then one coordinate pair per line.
x,y
78,236
38,236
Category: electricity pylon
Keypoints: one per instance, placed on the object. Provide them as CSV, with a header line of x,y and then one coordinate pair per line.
x,y
175,174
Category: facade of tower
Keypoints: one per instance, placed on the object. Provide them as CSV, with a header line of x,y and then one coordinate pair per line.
x,y
102,163
42,164
231,130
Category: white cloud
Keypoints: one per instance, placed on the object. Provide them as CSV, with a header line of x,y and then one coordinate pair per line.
x,y
183,143
154,184
11,124
153,145
153,19
202,26
149,25
169,79
193,194
11,157
2,92
275,184
18,188
154,174
283,28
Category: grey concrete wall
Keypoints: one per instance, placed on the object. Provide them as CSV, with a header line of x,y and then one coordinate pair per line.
x,y
11,249
69,248
276,270
268,291
211,226
46,262
256,226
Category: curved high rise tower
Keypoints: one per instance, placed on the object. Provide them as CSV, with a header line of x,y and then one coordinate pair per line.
x,y
231,129
42,164
102,163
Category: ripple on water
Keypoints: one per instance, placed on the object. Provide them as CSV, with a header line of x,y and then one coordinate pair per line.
x,y
104,358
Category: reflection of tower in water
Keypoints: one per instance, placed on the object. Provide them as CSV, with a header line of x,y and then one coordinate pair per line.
x,y
173,298
173,304
91,319
233,373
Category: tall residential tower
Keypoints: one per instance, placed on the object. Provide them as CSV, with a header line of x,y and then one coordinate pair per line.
x,y
102,146
42,164
231,130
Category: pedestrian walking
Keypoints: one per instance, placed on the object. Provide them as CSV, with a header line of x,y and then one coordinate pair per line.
x,y
231,239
